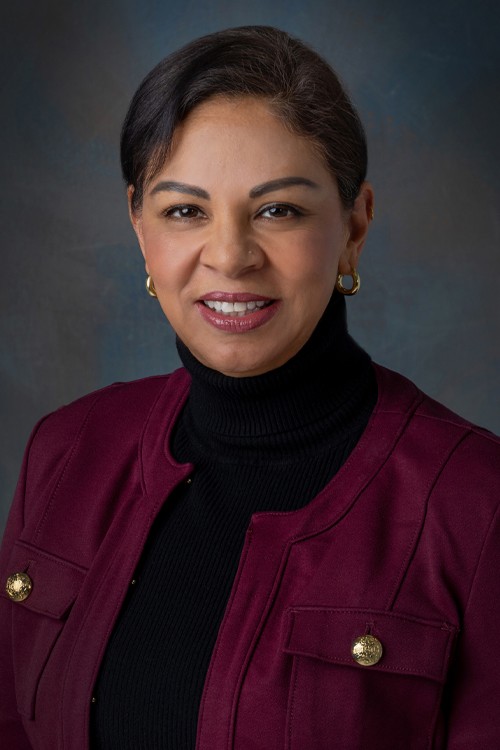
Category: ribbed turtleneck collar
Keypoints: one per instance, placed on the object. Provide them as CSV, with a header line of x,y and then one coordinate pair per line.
x,y
328,385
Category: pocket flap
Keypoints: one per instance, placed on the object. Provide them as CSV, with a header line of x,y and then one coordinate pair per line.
x,y
410,645
56,582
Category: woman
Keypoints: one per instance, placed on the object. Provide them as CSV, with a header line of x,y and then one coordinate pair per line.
x,y
280,545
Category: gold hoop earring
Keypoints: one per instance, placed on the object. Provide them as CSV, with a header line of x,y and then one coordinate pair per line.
x,y
151,287
356,283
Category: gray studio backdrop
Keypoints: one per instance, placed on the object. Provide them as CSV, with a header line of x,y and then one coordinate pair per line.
x,y
75,313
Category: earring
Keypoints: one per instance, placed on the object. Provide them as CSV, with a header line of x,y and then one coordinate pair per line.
x,y
151,287
371,213
355,285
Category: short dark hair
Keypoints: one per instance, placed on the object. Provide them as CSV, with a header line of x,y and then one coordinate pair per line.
x,y
299,86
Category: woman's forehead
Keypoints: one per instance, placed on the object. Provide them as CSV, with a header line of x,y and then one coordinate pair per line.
x,y
221,134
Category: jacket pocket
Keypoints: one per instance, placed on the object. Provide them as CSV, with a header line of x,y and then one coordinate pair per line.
x,y
336,702
38,621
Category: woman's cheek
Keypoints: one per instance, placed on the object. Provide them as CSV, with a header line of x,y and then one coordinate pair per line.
x,y
169,261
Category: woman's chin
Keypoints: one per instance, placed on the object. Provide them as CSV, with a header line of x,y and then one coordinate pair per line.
x,y
241,358
238,365
241,370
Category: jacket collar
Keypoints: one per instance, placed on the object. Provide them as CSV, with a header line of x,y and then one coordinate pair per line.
x,y
398,398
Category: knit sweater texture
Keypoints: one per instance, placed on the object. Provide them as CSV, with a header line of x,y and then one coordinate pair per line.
x,y
265,443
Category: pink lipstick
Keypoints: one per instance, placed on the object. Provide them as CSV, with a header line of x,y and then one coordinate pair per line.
x,y
239,321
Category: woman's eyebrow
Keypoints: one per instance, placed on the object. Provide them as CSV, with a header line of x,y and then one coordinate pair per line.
x,y
256,192
269,187
180,187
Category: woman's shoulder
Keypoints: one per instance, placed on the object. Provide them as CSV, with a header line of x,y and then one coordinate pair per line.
x,y
122,401
466,446
113,416
455,462
397,392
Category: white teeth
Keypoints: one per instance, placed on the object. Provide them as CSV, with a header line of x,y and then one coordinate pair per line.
x,y
236,309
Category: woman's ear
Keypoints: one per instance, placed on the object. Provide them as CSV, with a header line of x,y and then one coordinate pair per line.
x,y
136,219
357,226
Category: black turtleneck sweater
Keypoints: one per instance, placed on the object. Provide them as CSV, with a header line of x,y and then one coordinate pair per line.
x,y
264,443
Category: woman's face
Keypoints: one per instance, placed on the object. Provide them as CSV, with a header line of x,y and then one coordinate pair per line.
x,y
243,234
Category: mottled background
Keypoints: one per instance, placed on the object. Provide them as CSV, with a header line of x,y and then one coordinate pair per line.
x,y
74,312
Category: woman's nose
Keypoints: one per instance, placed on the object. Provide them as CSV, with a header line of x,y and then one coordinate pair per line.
x,y
231,251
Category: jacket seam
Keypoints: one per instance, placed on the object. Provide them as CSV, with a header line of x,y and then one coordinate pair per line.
x,y
405,565
432,725
68,460
218,643
51,558
292,702
180,405
278,578
140,442
486,539
381,668
465,425
409,414
439,697
30,446
455,423
380,613
447,652
54,615
491,438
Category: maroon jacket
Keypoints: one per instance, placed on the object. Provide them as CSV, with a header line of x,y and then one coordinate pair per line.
x,y
403,544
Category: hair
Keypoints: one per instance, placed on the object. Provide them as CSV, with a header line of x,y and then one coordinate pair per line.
x,y
298,85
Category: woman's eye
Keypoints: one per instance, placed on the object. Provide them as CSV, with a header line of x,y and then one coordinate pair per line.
x,y
183,212
192,212
280,212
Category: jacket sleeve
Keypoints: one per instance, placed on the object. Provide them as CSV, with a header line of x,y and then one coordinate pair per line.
x,y
11,728
474,718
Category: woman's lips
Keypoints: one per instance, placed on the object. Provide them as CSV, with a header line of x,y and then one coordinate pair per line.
x,y
235,297
241,323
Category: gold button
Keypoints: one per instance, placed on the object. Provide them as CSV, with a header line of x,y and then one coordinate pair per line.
x,y
19,587
367,650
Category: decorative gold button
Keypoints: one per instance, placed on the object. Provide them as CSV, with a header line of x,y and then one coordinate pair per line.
x,y
19,587
367,650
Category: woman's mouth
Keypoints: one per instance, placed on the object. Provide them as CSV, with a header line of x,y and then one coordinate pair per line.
x,y
237,309
237,316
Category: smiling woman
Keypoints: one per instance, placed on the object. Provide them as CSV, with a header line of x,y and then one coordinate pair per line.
x,y
281,545
272,245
